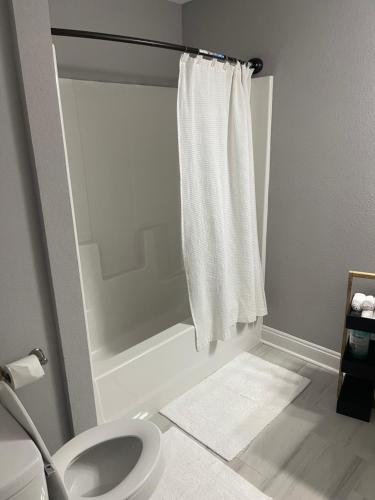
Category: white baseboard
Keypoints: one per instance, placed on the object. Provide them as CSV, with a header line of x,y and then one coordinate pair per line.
x,y
313,353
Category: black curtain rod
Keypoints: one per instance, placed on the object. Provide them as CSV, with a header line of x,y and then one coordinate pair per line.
x,y
255,63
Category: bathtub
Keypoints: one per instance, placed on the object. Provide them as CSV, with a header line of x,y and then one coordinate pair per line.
x,y
142,379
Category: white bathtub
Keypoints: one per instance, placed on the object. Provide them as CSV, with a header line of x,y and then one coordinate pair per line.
x,y
145,377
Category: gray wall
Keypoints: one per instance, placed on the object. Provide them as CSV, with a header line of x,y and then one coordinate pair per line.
x,y
322,186
26,311
109,61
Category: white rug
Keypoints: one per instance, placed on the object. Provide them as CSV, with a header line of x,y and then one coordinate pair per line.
x,y
233,405
193,473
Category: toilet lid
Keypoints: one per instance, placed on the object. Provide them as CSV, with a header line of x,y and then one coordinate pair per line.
x,y
20,460
11,402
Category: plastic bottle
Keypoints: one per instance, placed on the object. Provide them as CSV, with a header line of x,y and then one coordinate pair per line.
x,y
359,343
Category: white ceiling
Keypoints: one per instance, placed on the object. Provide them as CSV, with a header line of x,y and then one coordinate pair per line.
x,y
180,1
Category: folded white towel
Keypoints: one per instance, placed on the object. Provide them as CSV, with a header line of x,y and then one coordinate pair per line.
x,y
369,303
358,301
367,314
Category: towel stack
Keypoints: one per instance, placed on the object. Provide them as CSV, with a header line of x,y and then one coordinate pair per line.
x,y
364,303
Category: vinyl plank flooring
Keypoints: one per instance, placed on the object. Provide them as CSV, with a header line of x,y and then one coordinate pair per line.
x,y
281,440
340,429
365,483
362,441
308,452
290,475
319,470
353,495
327,399
278,357
248,473
321,380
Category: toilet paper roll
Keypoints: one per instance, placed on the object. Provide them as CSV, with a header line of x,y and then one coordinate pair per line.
x,y
24,371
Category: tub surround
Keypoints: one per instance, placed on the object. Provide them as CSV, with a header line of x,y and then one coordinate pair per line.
x,y
123,160
122,148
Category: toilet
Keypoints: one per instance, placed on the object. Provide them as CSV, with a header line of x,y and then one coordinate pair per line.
x,y
118,460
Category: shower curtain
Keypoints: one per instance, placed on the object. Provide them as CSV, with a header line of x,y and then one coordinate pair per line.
x,y
219,231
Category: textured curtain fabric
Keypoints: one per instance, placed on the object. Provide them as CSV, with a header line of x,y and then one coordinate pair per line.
x,y
219,231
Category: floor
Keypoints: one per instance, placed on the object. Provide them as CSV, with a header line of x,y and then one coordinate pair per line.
x,y
309,451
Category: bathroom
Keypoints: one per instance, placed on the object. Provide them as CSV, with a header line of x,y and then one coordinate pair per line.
x,y
91,262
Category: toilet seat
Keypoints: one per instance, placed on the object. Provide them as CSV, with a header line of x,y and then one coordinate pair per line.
x,y
143,476
119,460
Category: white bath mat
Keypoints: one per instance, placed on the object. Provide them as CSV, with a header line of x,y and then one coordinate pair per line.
x,y
193,473
229,408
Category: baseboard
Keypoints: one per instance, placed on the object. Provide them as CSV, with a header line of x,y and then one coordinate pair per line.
x,y
313,353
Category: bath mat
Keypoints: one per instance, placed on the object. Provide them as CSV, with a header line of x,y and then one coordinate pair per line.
x,y
227,410
193,473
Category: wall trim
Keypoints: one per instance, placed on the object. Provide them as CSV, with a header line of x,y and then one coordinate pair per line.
x,y
313,353
32,32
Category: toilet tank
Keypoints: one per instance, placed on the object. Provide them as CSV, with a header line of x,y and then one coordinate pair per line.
x,y
21,464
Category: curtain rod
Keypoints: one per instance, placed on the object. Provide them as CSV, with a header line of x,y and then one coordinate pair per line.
x,y
255,62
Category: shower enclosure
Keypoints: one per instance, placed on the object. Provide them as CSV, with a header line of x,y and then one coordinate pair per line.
x,y
123,162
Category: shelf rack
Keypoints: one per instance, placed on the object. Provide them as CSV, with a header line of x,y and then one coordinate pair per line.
x,y
355,388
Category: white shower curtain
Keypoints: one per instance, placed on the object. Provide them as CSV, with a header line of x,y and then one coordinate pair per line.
x,y
219,232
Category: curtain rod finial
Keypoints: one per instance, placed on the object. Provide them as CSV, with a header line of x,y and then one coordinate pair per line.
x,y
257,64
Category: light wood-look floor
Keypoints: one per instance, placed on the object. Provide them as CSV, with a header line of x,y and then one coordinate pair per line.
x,y
309,451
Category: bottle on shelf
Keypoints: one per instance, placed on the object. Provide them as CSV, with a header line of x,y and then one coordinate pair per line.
x,y
359,343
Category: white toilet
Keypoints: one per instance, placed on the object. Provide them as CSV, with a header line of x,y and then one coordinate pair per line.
x,y
115,461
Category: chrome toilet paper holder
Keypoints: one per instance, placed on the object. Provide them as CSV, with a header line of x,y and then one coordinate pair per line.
x,y
37,351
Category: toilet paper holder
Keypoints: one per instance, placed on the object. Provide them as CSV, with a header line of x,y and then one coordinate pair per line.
x,y
37,351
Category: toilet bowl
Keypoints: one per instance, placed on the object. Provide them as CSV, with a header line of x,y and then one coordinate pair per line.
x,y
118,460
114,461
